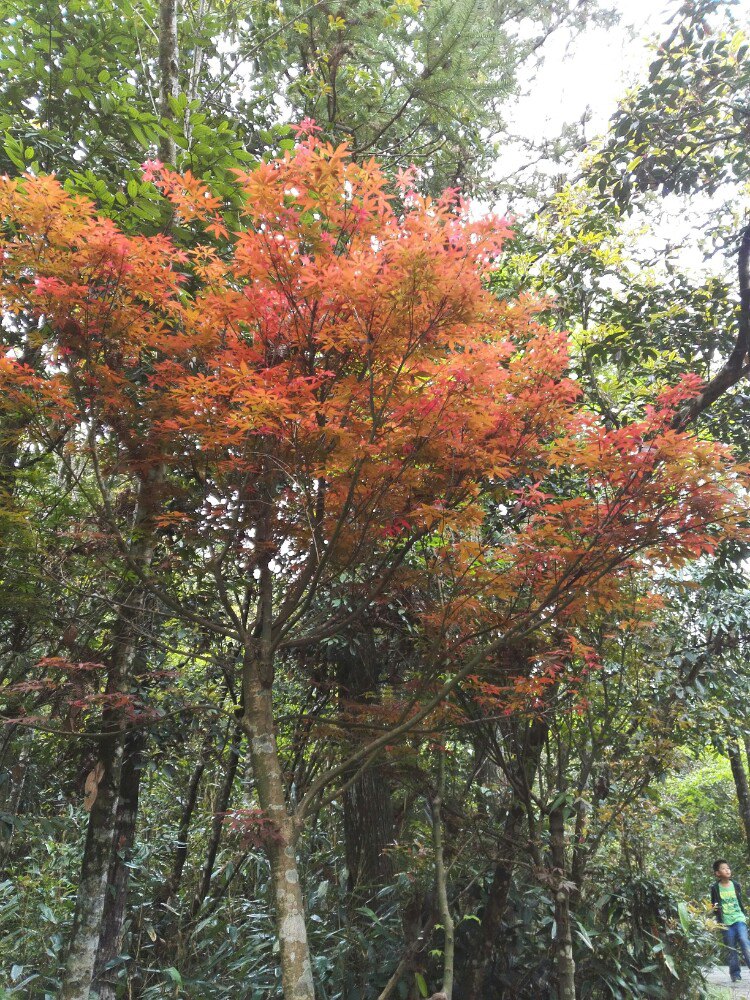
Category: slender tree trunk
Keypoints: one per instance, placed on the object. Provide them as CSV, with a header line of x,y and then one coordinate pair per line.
x,y
105,779
524,767
741,785
183,833
110,938
168,73
281,839
279,825
14,799
217,825
195,72
580,853
415,947
92,884
102,826
440,880
564,965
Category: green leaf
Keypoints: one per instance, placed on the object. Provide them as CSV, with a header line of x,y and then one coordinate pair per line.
x,y
174,975
421,984
583,934
139,134
14,151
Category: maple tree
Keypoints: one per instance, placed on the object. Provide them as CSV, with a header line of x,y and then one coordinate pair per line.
x,y
308,407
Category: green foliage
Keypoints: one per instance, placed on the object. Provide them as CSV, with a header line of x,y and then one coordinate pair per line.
x,y
685,129
698,805
411,81
640,941
36,904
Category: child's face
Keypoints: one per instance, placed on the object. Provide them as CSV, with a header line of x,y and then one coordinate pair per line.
x,y
724,871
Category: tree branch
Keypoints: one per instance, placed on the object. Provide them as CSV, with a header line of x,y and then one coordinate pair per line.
x,y
735,367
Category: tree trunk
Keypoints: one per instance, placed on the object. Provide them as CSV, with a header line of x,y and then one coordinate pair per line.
x,y
497,901
524,765
741,785
104,780
14,799
416,947
183,833
225,795
368,829
168,73
110,938
280,837
92,885
440,880
368,808
564,965
580,853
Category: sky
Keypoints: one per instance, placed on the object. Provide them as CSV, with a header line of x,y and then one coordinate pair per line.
x,y
581,73
589,73
593,70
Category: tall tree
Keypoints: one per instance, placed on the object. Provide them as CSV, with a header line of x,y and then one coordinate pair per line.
x,y
348,394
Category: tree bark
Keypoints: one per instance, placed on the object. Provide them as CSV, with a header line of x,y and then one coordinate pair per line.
x,y
521,770
741,785
14,799
416,947
440,880
110,938
735,366
183,833
168,73
368,829
497,901
368,808
281,839
92,884
106,777
564,965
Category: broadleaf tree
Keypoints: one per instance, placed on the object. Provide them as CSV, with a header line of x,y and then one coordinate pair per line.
x,y
302,404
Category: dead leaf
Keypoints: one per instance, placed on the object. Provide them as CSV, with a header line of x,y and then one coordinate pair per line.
x,y
91,787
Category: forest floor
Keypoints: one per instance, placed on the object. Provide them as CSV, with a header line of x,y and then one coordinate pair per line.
x,y
722,989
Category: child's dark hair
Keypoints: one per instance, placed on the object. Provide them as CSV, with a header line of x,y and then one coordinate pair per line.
x,y
718,864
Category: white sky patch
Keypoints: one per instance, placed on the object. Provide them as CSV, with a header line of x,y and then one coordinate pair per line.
x,y
590,72
582,78
585,74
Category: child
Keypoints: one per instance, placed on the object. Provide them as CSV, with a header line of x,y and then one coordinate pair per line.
x,y
726,897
